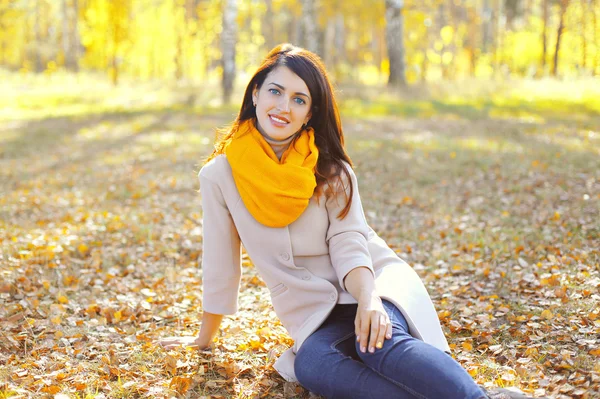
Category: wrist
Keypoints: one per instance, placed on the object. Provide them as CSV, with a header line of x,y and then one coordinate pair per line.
x,y
366,293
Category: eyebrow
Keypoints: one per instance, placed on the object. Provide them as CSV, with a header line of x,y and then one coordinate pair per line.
x,y
283,88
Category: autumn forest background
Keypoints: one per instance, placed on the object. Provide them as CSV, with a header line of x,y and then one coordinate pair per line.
x,y
474,126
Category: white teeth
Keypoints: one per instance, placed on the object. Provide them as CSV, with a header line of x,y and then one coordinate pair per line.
x,y
278,120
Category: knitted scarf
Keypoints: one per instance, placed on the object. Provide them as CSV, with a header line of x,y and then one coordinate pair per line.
x,y
275,192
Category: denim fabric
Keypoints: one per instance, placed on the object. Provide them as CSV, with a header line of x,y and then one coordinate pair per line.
x,y
329,363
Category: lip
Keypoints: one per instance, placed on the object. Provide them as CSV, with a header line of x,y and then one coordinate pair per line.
x,y
277,123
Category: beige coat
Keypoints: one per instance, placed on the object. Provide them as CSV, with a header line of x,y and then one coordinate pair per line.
x,y
303,264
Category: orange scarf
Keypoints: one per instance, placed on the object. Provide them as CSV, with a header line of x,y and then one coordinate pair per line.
x,y
275,192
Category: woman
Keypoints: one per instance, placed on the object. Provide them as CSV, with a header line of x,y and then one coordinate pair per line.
x,y
280,182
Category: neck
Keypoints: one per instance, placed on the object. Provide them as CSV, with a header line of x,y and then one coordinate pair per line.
x,y
278,146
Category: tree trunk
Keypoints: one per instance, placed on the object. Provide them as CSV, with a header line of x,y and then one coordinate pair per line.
x,y
544,35
561,26
228,42
394,36
328,45
442,20
38,63
472,42
66,48
73,59
310,35
268,26
500,26
487,28
339,40
583,32
3,28
596,38
425,62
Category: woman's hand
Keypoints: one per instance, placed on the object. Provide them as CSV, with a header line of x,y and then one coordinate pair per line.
x,y
173,342
372,324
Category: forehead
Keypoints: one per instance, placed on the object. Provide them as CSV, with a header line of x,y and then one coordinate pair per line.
x,y
285,77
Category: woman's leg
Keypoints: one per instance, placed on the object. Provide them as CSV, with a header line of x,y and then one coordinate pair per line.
x,y
327,363
417,366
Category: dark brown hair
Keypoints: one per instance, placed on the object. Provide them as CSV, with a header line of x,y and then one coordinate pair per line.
x,y
325,118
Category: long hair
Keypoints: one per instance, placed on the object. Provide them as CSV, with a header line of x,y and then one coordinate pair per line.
x,y
325,118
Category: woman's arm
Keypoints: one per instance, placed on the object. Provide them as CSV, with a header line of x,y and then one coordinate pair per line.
x,y
359,282
350,257
210,326
372,322
221,265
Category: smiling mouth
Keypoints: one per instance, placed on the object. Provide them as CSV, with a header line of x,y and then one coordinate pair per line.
x,y
279,119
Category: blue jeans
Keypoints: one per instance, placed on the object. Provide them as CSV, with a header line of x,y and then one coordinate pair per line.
x,y
329,363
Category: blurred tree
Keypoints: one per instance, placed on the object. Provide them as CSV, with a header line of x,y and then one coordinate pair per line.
x,y
268,25
228,42
118,13
395,42
544,34
487,25
310,29
70,35
559,33
37,31
584,14
596,37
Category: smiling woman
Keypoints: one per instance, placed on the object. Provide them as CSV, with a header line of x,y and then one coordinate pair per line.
x,y
281,111
280,182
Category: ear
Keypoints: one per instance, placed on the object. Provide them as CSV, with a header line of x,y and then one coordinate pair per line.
x,y
307,119
255,94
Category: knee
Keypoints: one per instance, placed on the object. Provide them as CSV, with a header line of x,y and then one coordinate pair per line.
x,y
306,367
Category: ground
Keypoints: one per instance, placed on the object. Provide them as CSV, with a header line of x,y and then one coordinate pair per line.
x,y
493,200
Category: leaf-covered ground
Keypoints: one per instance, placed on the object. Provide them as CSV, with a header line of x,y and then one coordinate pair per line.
x,y
494,203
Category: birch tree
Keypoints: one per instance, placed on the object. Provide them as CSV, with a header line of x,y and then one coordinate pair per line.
x,y
394,37
310,34
559,32
228,42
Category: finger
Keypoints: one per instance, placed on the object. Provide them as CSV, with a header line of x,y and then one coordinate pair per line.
x,y
388,332
364,332
357,327
381,334
375,326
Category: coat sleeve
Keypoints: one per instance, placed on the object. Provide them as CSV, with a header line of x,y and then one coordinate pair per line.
x,y
221,252
347,238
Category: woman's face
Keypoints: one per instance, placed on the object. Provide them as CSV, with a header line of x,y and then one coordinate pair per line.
x,y
282,104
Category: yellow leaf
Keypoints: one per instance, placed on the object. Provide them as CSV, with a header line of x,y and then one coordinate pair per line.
x,y
467,346
264,331
117,316
180,384
595,352
546,314
62,299
56,320
58,335
82,248
52,389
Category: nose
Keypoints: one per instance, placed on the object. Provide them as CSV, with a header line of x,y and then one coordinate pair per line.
x,y
284,104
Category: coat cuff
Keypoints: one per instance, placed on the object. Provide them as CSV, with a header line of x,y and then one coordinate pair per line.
x,y
220,296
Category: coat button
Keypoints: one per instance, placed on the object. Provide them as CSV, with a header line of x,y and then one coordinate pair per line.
x,y
285,256
307,277
332,297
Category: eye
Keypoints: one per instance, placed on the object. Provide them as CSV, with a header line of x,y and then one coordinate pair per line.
x,y
273,91
299,101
